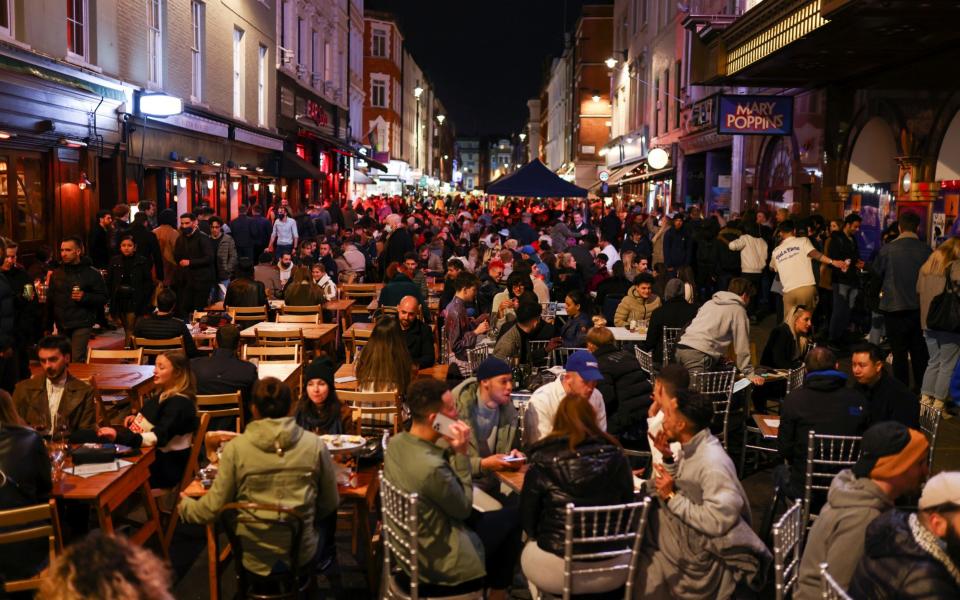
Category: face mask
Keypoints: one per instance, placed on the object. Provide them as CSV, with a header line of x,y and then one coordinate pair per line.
x,y
186,230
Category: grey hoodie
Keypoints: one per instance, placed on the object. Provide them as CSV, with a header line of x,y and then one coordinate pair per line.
x,y
837,536
720,322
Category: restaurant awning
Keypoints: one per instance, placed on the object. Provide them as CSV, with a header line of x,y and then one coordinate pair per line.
x,y
294,167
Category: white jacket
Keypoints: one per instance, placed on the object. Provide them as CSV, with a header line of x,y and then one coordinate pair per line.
x,y
753,253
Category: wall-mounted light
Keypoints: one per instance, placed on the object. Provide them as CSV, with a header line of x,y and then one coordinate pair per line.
x,y
441,118
71,143
611,62
259,169
596,96
236,185
215,163
256,187
6,135
283,189
272,187
183,181
190,160
209,184
658,158
160,105
243,167
84,182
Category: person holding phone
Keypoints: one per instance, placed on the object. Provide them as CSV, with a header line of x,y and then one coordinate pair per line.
x,y
453,540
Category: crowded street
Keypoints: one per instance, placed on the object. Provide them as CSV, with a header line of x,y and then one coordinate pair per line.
x,y
556,299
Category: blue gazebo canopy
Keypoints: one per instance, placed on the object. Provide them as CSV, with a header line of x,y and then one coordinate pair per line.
x,y
534,179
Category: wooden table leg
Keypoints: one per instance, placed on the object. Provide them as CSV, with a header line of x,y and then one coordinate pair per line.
x,y
105,519
213,563
363,514
153,515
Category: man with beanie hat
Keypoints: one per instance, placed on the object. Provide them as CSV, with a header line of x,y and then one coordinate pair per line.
x,y
914,555
483,402
675,312
893,462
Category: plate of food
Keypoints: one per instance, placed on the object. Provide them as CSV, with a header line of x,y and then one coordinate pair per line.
x,y
343,443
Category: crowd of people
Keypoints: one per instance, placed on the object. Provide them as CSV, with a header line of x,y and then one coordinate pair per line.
x,y
578,434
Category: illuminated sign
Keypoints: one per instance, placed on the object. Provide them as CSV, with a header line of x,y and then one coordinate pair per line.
x,y
755,115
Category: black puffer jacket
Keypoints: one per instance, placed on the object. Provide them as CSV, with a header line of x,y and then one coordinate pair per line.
x,y
597,473
895,565
626,393
70,314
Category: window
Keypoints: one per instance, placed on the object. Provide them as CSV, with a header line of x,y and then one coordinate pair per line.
x,y
656,107
677,104
380,43
327,62
154,42
314,50
262,86
196,50
238,73
77,34
378,93
643,12
6,18
666,100
301,34
284,31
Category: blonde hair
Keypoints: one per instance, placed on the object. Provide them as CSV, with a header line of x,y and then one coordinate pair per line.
x,y
102,567
184,382
939,261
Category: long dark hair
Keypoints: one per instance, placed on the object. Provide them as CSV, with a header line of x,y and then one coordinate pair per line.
x,y
385,362
323,418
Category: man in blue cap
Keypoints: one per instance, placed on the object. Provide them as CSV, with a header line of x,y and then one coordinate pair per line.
x,y
483,403
580,378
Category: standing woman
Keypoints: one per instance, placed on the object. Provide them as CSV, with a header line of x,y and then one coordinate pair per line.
x,y
943,346
384,364
131,286
167,420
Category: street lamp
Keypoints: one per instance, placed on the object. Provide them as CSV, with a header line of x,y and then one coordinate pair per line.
x,y
523,137
441,118
417,92
611,62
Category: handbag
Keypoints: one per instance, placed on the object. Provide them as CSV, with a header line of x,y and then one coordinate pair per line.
x,y
944,313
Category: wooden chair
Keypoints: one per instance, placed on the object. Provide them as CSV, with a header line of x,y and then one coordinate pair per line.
x,y
315,309
244,316
362,294
172,514
377,410
114,357
283,338
154,348
313,319
105,405
222,405
27,523
272,353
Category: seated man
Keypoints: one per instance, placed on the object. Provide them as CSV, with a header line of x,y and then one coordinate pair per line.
x,y
459,328
483,402
162,325
720,322
669,381
417,334
640,302
245,290
56,401
222,372
273,462
888,399
515,341
581,377
704,544
268,274
625,389
451,553
893,463
825,405
914,555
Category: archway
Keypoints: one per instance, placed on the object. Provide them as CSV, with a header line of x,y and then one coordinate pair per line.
x,y
948,159
874,156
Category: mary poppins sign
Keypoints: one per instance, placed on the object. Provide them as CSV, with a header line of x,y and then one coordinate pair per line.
x,y
756,115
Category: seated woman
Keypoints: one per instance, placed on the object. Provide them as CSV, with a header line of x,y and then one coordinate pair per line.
x,y
301,290
505,303
167,420
24,481
384,364
245,290
319,409
573,334
786,348
579,463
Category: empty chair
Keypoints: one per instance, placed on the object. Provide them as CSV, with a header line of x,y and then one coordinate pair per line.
x,y
671,336
718,386
313,309
929,424
795,378
475,356
827,455
560,355
272,354
788,534
313,319
831,590
539,348
114,357
22,526
245,316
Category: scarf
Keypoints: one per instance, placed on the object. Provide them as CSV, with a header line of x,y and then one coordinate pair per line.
x,y
931,545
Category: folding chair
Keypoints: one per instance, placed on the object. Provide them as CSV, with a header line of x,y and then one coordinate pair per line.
x,y
671,336
380,410
173,494
245,316
222,405
827,455
929,424
795,378
100,356
272,354
539,346
830,589
154,348
560,355
787,542
36,522
718,386
475,356
645,359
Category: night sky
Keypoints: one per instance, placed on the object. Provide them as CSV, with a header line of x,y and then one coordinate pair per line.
x,y
485,58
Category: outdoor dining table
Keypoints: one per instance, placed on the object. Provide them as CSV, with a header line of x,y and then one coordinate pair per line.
x,y
134,381
363,495
286,372
769,425
513,479
106,492
347,372
622,334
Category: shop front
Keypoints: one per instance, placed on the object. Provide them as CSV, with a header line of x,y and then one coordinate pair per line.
x,y
706,179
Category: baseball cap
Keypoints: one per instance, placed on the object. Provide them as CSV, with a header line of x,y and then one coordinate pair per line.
x,y
584,363
528,249
889,449
504,232
943,488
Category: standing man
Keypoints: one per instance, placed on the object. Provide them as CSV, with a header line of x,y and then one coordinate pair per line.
x,y
149,209
27,327
147,244
398,243
77,293
260,229
226,252
197,264
98,244
56,399
791,259
898,266
843,247
610,226
167,236
241,229
677,246
284,237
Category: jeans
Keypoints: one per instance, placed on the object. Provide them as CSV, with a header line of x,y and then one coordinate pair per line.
x,y
844,296
944,349
281,249
696,361
79,338
906,337
877,328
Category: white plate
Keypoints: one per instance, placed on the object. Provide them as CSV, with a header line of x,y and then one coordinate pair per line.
x,y
343,443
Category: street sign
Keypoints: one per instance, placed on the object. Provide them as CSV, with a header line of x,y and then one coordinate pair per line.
x,y
604,175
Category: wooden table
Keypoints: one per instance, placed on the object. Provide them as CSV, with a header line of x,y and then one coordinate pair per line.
x,y
133,380
288,373
108,491
338,307
359,330
363,496
349,370
513,479
767,428
273,304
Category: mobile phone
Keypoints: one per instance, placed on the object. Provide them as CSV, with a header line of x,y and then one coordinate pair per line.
x,y
442,423
513,458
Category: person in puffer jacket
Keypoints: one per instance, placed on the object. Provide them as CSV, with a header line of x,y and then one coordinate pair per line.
x,y
914,555
639,303
576,463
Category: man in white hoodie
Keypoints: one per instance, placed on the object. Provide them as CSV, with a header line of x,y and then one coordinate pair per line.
x,y
720,322
753,254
